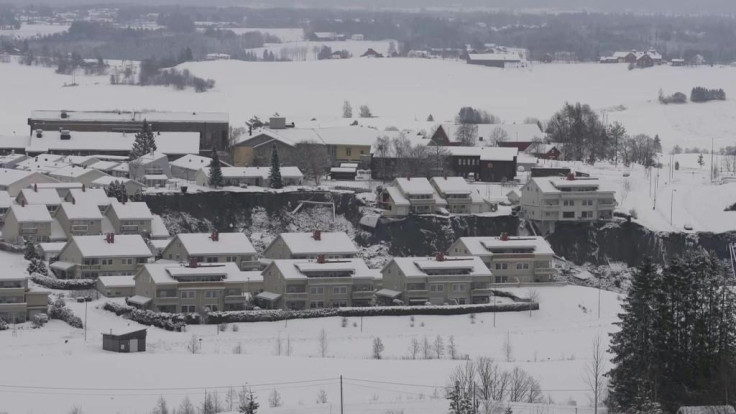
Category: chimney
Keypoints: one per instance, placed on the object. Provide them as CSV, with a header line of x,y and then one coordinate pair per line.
x,y
317,235
440,257
22,202
504,236
74,201
570,177
107,237
84,187
408,178
215,236
35,187
321,259
192,262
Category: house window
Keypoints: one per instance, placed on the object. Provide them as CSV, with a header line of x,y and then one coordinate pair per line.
x,y
416,286
568,214
212,259
522,266
340,290
211,294
568,202
587,202
586,214
502,279
317,290
348,151
90,262
502,266
436,288
188,294
188,309
106,262
459,287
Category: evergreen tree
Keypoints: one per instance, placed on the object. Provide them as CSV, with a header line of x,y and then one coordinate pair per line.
x,y
248,405
215,170
701,162
456,399
30,251
657,144
275,173
37,266
144,143
430,118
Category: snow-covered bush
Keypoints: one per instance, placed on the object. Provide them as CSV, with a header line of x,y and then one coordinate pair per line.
x,y
3,325
37,266
169,321
58,310
62,284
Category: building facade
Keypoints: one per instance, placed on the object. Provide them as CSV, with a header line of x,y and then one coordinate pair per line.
x,y
555,199
18,301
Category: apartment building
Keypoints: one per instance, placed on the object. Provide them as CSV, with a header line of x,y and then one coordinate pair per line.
x,y
5,202
130,217
18,301
511,259
212,247
155,164
331,245
410,195
79,219
322,283
437,280
167,287
552,199
90,257
40,196
460,196
31,222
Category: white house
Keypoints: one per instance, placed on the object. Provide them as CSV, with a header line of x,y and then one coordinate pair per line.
x,y
153,164
13,181
212,247
187,166
44,197
330,245
251,176
73,174
32,222
460,196
90,257
410,195
90,196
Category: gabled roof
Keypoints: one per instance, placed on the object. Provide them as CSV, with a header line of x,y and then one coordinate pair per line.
x,y
514,132
343,135
299,268
129,116
131,210
43,196
93,196
116,281
32,213
202,244
397,197
549,185
73,172
5,199
104,165
417,266
81,211
451,185
149,158
9,176
329,243
124,245
158,227
412,186
191,162
480,245
494,57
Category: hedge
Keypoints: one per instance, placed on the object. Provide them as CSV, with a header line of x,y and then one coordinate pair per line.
x,y
169,321
58,310
62,284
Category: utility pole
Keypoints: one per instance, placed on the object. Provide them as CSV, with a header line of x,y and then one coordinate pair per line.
x,y
712,170
341,404
85,319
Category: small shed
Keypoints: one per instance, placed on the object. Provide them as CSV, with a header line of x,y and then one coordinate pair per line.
x,y
124,342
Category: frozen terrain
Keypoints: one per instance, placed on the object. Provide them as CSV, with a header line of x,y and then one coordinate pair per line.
x,y
29,30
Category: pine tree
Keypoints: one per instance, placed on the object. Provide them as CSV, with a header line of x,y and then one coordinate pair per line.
x,y
215,170
275,173
701,162
430,118
30,251
456,399
37,266
248,405
144,143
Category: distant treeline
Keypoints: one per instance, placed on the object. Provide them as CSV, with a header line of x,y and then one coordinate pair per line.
x,y
700,94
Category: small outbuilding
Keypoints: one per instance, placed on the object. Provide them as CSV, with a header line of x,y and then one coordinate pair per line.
x,y
124,342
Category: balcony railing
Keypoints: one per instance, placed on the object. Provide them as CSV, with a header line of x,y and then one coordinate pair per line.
x,y
12,306
296,296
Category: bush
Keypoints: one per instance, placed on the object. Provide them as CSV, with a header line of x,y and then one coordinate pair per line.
x,y
169,321
675,98
700,94
62,284
58,310
3,325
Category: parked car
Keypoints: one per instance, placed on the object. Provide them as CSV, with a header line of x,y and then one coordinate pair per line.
x,y
688,226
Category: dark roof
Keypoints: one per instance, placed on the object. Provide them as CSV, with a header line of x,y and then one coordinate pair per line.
x,y
128,335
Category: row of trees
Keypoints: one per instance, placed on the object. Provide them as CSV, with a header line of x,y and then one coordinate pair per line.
x,y
677,339
700,94
243,401
347,111
397,157
151,73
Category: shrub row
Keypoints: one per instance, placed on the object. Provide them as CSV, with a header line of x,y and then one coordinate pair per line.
x,y
169,321
62,284
58,310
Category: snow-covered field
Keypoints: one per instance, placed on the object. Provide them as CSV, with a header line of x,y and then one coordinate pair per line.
x,y
34,30
552,344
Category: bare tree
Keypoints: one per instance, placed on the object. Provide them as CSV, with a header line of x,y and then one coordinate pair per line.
x,y
452,348
377,348
347,110
186,407
508,349
231,399
365,112
519,385
274,399
323,343
426,349
76,410
487,378
594,375
464,376
498,135
193,345
312,159
322,397
288,346
414,348
439,347
466,134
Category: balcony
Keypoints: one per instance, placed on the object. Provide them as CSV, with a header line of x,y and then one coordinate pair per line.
x,y
20,306
90,267
295,296
544,270
80,229
129,229
167,300
235,299
363,294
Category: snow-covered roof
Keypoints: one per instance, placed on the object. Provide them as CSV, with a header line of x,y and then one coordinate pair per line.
x,y
202,244
107,180
159,244
514,132
418,266
122,167
124,245
9,176
414,186
32,213
485,153
329,243
57,232
121,142
451,185
707,409
81,211
52,247
131,210
151,157
253,172
43,196
104,165
116,281
191,162
129,116
482,246
93,196
71,171
169,273
299,268
621,54
556,184
58,186
155,177
342,135
504,57
397,197
158,227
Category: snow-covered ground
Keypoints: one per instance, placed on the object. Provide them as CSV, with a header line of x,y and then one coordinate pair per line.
x,y
553,344
27,31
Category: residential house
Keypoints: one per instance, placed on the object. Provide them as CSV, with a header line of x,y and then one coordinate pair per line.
x,y
552,199
212,247
167,287
511,259
72,174
121,170
187,166
437,280
322,283
331,245
30,222
90,257
488,164
90,196
116,286
44,197
61,188
132,187
50,250
153,164
460,196
125,342
79,219
410,195
18,301
130,217
13,181
5,202
544,151
251,176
